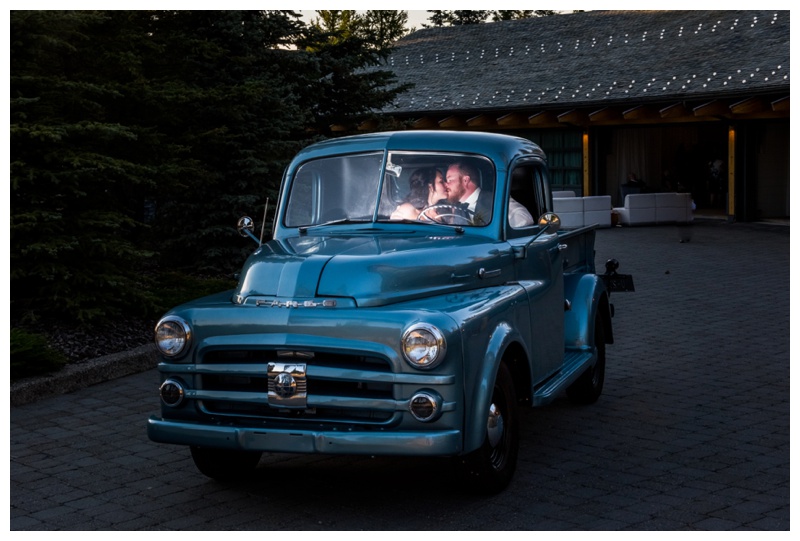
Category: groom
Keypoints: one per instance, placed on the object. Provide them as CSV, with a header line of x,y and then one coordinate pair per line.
x,y
463,186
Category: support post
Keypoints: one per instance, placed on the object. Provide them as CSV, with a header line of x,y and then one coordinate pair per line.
x,y
731,173
585,156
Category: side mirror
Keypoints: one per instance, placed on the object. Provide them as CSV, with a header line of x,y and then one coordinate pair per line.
x,y
245,226
549,222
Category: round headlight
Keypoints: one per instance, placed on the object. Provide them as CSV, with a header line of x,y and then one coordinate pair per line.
x,y
423,345
172,336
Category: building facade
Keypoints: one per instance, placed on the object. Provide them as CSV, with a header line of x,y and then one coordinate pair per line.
x,y
682,100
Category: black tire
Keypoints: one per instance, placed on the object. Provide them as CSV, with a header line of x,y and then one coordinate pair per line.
x,y
225,464
489,469
588,388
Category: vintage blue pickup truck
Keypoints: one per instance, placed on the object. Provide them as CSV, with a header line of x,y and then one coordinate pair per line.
x,y
408,303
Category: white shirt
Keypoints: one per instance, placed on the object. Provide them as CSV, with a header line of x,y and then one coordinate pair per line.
x,y
518,215
472,200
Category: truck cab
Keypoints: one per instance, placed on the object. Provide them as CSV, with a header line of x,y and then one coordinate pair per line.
x,y
358,329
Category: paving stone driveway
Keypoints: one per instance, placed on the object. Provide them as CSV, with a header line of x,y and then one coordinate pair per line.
x,y
691,433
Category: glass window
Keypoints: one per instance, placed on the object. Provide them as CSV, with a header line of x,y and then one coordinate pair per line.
x,y
564,151
524,202
447,188
335,189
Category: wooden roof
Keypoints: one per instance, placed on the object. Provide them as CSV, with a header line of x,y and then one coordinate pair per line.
x,y
598,67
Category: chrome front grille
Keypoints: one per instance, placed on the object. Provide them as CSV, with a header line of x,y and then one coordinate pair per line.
x,y
297,386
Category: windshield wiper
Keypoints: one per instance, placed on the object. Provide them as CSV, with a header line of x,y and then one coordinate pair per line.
x,y
458,228
340,221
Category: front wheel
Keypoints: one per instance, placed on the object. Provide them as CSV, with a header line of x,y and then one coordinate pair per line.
x,y
225,464
490,468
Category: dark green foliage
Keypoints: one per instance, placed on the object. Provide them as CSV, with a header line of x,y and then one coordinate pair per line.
x,y
469,16
344,45
458,17
32,356
512,14
139,137
378,28
174,288
226,97
383,27
74,178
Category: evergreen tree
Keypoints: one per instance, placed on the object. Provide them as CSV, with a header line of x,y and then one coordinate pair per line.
x,y
459,17
382,28
378,28
227,90
337,24
141,133
350,51
73,174
260,85
512,14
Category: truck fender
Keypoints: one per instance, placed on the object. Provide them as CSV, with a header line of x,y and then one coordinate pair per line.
x,y
588,299
486,373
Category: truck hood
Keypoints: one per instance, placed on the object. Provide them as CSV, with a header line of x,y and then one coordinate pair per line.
x,y
373,270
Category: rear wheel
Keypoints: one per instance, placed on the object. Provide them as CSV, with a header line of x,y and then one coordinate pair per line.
x,y
225,464
490,468
588,387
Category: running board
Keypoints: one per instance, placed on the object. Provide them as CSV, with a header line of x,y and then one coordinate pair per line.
x,y
575,364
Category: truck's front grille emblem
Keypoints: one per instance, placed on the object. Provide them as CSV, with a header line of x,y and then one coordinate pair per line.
x,y
287,385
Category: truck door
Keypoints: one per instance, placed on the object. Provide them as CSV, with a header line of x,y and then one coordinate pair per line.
x,y
538,269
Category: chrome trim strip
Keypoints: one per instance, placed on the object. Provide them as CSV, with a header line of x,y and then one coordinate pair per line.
x,y
313,401
316,372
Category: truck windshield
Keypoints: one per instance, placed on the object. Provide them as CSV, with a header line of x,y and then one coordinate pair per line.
x,y
350,188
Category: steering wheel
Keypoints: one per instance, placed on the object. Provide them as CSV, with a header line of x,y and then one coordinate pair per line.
x,y
446,213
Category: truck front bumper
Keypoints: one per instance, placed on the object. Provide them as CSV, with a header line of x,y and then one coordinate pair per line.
x,y
353,442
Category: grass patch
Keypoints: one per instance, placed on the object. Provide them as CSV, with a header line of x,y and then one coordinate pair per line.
x,y
31,355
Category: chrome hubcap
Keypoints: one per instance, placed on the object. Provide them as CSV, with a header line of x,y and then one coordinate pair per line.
x,y
494,426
